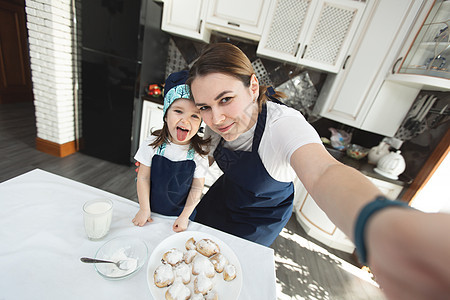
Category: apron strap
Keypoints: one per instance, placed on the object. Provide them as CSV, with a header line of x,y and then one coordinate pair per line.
x,y
162,149
259,130
191,153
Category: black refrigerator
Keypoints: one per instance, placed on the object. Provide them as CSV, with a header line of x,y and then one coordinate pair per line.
x,y
119,42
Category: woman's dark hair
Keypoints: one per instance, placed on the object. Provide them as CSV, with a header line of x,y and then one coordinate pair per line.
x,y
227,59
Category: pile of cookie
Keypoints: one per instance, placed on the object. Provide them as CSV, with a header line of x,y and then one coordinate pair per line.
x,y
200,261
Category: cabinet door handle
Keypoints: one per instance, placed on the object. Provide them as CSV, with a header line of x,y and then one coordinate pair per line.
x,y
296,51
395,65
345,62
304,50
200,26
233,24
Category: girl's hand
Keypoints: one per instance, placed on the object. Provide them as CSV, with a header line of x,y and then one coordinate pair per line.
x,y
180,224
142,217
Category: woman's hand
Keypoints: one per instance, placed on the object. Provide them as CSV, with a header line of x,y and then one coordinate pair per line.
x,y
409,253
180,224
142,217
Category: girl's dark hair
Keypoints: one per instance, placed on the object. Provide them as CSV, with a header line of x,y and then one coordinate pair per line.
x,y
227,59
200,145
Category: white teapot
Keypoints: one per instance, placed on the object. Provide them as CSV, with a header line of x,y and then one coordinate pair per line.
x,y
378,152
391,165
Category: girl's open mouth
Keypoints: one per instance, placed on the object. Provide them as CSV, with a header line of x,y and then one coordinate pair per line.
x,y
182,133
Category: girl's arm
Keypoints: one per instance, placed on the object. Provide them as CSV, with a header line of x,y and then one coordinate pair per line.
x,y
407,250
143,190
192,201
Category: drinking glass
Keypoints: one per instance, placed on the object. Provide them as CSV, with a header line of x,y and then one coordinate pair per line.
x,y
97,217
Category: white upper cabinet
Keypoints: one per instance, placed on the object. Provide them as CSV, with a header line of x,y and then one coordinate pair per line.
x,y
186,18
359,94
316,34
425,61
241,18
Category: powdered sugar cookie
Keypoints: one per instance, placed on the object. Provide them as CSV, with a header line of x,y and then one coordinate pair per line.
x,y
178,291
173,257
207,247
219,261
202,265
184,272
190,244
229,272
197,297
163,276
189,256
202,284
212,295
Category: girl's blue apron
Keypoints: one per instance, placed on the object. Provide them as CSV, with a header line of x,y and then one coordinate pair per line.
x,y
246,201
170,183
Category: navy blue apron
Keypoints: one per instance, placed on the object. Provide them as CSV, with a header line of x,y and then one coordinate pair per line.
x,y
246,201
170,183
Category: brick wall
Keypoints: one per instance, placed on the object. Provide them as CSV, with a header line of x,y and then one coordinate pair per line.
x,y
53,68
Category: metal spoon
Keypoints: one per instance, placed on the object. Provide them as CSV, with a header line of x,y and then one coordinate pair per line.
x,y
121,264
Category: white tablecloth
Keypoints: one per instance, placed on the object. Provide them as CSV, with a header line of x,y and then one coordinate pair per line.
x,y
42,239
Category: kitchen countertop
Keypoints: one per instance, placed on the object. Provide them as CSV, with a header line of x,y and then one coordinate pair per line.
x,y
363,166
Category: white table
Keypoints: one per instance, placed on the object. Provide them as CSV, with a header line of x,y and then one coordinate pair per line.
x,y
42,239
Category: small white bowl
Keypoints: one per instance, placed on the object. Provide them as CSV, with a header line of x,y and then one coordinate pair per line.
x,y
131,248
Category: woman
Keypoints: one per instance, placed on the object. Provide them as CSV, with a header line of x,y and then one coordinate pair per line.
x,y
261,145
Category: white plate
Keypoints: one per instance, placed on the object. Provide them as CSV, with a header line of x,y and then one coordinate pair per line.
x,y
225,289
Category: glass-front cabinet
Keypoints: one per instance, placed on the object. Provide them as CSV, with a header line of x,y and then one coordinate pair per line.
x,y
429,55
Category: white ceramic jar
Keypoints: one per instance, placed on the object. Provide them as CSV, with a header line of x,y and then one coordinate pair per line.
x,y
391,165
378,152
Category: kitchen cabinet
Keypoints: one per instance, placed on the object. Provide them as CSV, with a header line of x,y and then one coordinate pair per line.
x,y
151,120
425,61
186,18
317,224
236,17
359,94
316,34
390,190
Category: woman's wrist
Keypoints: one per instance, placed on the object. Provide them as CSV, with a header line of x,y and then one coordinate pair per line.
x,y
366,213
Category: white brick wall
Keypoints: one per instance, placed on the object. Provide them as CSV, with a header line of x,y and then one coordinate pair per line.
x,y
50,30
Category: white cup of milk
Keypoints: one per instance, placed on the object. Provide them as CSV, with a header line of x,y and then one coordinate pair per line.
x,y
97,217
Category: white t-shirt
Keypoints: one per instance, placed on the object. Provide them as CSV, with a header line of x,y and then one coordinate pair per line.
x,y
173,152
286,130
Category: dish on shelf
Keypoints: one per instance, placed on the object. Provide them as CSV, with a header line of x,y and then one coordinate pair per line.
x,y
357,151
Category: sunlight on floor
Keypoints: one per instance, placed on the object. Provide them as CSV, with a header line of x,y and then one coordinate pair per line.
x,y
304,273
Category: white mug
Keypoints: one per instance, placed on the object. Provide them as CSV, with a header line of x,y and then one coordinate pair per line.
x,y
97,217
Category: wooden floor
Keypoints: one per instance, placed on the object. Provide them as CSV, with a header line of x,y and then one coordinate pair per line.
x,y
305,268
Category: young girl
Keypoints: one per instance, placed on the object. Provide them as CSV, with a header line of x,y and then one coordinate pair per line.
x,y
173,161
